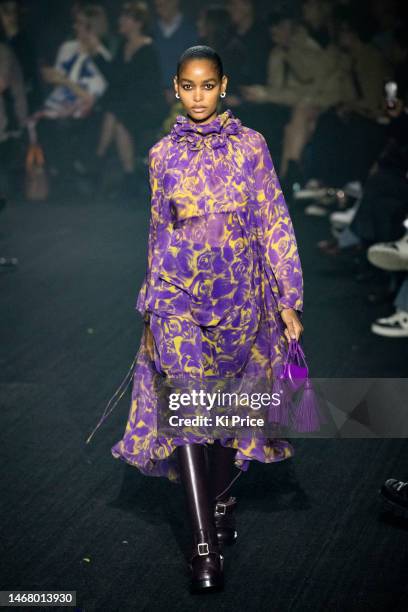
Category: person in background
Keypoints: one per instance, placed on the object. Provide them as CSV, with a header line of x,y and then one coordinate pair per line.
x,y
379,221
78,82
253,36
317,61
172,32
134,105
282,89
13,114
354,123
215,29
13,33
68,123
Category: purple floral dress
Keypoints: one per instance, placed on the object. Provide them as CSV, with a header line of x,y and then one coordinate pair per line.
x,y
222,262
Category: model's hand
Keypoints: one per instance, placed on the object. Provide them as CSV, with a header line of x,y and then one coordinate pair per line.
x,y
294,327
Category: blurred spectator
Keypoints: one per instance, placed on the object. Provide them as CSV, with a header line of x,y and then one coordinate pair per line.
x,y
134,104
253,37
316,81
69,121
215,29
282,84
387,21
399,57
282,90
368,68
13,33
77,79
172,33
13,113
353,124
384,205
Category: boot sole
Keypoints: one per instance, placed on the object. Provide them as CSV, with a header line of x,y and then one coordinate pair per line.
x,y
228,540
207,585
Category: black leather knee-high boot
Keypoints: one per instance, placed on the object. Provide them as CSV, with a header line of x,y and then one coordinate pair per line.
x,y
221,468
206,562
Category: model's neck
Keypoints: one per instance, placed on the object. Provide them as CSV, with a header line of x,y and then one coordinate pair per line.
x,y
202,121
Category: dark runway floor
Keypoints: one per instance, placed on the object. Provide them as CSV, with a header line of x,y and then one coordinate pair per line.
x,y
312,533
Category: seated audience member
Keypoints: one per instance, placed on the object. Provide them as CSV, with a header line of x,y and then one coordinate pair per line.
x,y
173,33
13,33
13,114
68,122
215,29
384,205
134,104
78,81
253,37
282,84
282,89
316,59
353,124
386,19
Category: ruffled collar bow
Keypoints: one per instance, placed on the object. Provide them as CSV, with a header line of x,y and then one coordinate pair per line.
x,y
213,134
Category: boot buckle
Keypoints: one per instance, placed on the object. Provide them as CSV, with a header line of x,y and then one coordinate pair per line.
x,y
221,508
204,550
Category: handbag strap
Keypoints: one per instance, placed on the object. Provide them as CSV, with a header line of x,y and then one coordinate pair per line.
x,y
295,352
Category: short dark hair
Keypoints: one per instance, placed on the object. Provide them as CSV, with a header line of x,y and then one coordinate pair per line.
x,y
201,52
138,11
276,16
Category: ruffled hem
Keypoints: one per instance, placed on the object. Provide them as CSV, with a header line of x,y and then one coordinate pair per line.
x,y
157,458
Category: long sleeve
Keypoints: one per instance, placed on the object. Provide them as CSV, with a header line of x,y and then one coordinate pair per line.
x,y
277,237
160,226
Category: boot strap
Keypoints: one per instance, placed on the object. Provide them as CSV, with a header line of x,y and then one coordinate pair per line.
x,y
226,507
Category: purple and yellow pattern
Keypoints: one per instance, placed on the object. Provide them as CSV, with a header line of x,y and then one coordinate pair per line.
x,y
222,262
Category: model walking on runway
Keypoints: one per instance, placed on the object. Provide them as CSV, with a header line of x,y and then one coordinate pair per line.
x,y
221,297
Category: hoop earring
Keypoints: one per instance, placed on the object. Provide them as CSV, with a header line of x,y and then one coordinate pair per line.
x,y
177,96
223,94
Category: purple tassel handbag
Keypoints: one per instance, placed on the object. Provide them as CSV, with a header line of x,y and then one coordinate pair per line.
x,y
302,413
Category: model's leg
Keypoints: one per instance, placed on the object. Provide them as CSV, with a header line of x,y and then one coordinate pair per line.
x,y
221,468
176,338
206,560
221,477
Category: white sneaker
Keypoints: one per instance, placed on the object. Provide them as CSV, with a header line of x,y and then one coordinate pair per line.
x,y
315,210
342,218
395,326
390,255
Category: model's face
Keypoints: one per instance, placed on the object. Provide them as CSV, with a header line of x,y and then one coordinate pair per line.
x,y
199,87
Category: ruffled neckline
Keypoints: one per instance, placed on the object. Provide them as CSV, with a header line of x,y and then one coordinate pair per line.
x,y
213,134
